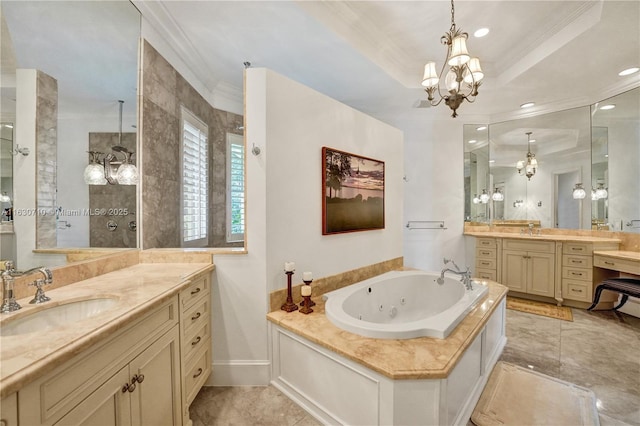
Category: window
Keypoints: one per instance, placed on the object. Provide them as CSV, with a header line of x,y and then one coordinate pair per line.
x,y
195,181
235,188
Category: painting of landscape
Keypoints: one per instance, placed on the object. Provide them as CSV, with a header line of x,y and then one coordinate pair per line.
x,y
353,192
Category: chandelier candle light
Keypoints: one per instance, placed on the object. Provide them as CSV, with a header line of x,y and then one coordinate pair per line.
x,y
531,164
462,69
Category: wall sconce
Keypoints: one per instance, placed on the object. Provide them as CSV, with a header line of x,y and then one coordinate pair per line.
x,y
578,192
484,197
4,198
107,168
518,203
497,195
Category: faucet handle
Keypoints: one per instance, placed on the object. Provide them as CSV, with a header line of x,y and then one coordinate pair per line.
x,y
9,265
39,297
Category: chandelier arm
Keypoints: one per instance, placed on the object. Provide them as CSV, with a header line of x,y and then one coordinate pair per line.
x,y
442,72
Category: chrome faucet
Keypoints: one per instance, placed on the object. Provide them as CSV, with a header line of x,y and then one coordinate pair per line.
x,y
465,276
9,303
530,229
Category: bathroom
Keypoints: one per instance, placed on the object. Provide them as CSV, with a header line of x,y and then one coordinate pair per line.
x,y
284,215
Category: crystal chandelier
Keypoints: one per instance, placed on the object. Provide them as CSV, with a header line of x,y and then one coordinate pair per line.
x,y
531,164
462,69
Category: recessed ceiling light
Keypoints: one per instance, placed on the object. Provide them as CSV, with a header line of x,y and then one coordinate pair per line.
x,y
628,71
473,141
606,107
481,32
527,105
481,128
492,161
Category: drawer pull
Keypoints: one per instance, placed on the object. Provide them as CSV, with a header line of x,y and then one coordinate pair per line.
x,y
196,291
485,243
609,263
486,253
196,316
198,373
577,248
485,263
576,261
137,378
576,291
195,342
576,274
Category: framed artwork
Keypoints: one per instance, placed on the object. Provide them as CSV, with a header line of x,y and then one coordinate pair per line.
x,y
352,192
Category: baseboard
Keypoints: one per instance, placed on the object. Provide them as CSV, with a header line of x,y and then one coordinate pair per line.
x,y
240,373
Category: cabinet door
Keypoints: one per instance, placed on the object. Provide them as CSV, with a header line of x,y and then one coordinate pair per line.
x,y
541,273
156,399
108,405
9,410
514,270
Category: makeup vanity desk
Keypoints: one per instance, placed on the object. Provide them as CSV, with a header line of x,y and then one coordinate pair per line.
x,y
559,268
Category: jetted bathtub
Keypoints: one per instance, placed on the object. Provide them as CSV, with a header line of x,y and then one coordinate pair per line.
x,y
403,305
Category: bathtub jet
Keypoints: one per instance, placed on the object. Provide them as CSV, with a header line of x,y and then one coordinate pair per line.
x,y
403,305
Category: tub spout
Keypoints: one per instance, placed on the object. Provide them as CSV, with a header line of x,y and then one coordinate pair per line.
x,y
465,276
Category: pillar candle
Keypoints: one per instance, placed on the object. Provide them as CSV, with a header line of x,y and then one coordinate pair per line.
x,y
289,266
305,290
307,276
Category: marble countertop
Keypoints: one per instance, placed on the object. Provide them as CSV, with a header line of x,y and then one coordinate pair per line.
x,y
419,358
619,254
543,237
138,289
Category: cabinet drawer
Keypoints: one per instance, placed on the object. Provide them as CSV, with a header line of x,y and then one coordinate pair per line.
x,y
486,264
485,243
197,373
486,274
577,274
486,253
577,261
577,290
194,291
195,316
526,245
577,248
195,341
622,265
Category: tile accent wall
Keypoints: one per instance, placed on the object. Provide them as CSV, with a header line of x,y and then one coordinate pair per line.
x,y
46,157
164,91
334,282
112,198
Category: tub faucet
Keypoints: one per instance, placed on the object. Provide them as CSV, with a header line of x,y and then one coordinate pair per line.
x,y
465,276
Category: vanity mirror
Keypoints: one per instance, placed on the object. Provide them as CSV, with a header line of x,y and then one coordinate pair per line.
x,y
476,173
596,147
86,57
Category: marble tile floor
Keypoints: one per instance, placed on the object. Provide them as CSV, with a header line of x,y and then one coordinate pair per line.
x,y
599,351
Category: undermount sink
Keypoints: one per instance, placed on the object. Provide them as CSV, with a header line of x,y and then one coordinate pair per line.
x,y
57,316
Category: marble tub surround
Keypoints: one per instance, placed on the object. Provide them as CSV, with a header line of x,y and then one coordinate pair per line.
x,y
330,283
412,359
138,289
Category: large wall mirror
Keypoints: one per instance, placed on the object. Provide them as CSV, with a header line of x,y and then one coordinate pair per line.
x,y
89,50
582,171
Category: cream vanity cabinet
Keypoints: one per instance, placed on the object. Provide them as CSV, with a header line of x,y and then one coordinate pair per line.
x,y
131,378
195,340
487,250
529,266
9,410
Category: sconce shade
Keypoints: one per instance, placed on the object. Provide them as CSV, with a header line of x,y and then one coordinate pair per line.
x,y
520,165
497,195
473,72
601,192
594,196
476,200
459,54
430,77
127,174
578,192
94,174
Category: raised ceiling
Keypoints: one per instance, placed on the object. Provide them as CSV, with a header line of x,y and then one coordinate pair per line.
x,y
370,54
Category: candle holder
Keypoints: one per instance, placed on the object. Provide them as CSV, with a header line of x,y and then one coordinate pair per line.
x,y
306,305
309,301
289,306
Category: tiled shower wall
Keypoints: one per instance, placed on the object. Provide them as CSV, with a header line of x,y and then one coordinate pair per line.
x,y
112,203
46,155
164,91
